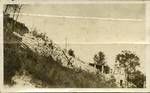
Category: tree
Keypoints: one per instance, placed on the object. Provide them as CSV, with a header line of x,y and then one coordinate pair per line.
x,y
71,52
15,8
137,78
129,61
99,58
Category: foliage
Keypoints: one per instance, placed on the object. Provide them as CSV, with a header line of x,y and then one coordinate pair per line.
x,y
17,27
137,78
13,53
11,62
99,58
12,8
128,60
54,75
39,35
45,69
71,52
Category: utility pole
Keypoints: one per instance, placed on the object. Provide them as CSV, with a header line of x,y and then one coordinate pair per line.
x,y
66,45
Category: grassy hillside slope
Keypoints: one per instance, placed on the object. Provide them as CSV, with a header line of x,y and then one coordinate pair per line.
x,y
19,58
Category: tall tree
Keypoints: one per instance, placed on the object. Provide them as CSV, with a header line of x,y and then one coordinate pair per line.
x,y
129,61
12,8
99,58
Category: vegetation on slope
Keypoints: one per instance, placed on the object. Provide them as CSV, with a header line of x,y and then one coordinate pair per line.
x,y
13,53
45,69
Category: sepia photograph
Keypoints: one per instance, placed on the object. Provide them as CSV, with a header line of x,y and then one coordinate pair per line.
x,y
74,45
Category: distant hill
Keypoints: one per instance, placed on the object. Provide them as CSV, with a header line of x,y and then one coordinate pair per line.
x,y
38,56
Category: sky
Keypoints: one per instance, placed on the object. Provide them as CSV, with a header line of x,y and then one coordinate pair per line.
x,y
88,23
86,27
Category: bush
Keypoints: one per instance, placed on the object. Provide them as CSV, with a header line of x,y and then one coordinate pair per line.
x,y
137,78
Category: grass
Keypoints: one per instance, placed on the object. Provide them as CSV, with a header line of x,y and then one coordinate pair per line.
x,y
45,69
